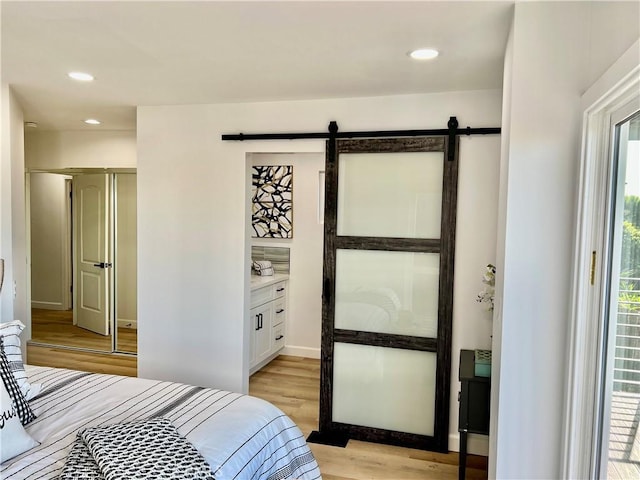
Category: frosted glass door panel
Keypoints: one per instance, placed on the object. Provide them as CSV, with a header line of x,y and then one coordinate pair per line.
x,y
390,194
386,388
387,292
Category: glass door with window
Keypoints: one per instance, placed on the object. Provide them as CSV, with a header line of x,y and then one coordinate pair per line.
x,y
620,378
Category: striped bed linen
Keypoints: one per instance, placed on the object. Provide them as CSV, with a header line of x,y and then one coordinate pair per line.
x,y
240,436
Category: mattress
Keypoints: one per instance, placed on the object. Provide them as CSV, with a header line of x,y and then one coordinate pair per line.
x,y
240,436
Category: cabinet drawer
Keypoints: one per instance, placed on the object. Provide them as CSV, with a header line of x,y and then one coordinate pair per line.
x,y
261,295
278,336
266,294
279,289
279,311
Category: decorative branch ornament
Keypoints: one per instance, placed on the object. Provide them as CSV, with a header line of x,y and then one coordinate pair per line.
x,y
487,294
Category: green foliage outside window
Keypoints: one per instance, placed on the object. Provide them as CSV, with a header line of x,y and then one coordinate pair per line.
x,y
630,261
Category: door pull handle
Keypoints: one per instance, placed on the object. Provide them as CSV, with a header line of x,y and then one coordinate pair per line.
x,y
280,311
103,265
257,322
279,337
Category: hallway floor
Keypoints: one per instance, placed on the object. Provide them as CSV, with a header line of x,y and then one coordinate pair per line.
x,y
55,327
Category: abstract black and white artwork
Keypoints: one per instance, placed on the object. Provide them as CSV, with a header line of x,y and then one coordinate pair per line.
x,y
272,201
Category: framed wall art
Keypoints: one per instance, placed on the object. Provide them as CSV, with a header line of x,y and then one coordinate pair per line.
x,y
272,201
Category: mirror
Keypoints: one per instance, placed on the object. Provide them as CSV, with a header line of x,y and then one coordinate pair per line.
x,y
83,260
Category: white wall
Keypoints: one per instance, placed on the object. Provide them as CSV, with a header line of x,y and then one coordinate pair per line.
x,y
13,232
477,216
304,318
193,209
496,355
6,245
556,49
48,150
49,230
21,308
4,211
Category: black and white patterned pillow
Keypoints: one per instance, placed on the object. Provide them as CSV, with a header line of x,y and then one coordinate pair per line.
x,y
25,413
10,334
149,449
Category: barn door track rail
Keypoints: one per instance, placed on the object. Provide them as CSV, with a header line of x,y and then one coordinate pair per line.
x,y
452,131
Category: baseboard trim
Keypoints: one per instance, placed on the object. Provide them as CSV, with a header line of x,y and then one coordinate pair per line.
x,y
47,305
124,323
261,364
306,352
476,444
103,353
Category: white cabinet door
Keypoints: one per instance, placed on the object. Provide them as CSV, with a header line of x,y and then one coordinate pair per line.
x,y
267,319
261,320
253,326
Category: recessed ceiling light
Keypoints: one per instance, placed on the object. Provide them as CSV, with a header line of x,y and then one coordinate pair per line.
x,y
92,121
424,54
31,124
81,76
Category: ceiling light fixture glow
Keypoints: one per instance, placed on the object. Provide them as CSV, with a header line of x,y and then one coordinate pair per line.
x,y
424,54
92,121
81,76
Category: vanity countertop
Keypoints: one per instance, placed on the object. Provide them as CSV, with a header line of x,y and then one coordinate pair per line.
x,y
258,282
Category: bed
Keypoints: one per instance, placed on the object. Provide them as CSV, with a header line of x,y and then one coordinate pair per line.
x,y
239,436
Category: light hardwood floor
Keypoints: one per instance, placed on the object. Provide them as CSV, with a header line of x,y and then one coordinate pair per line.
x,y
55,327
61,357
292,384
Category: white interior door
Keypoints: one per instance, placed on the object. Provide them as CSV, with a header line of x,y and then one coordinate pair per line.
x,y
91,252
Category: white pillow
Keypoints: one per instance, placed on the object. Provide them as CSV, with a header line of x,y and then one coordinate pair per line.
x,y
14,439
10,333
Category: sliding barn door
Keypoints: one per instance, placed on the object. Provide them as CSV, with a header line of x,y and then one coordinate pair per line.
x,y
387,292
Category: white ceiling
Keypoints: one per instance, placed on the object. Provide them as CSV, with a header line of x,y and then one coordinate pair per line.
x,y
163,53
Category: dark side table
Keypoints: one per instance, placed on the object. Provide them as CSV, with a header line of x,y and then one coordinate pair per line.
x,y
474,396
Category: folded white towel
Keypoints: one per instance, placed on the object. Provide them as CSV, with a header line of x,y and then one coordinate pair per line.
x,y
263,267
